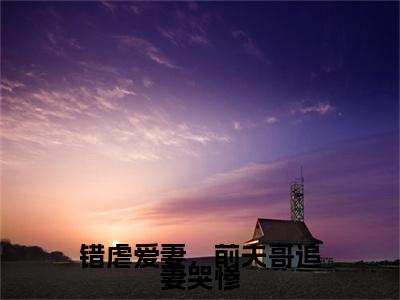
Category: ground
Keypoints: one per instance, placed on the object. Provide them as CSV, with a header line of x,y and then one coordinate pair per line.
x,y
47,280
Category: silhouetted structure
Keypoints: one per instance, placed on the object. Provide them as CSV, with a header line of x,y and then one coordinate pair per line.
x,y
297,199
287,243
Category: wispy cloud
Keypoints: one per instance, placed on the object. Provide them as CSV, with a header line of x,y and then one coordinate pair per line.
x,y
249,46
34,73
85,116
306,107
187,28
134,8
99,67
147,82
105,97
109,6
10,86
271,120
180,38
58,42
170,36
145,48
237,125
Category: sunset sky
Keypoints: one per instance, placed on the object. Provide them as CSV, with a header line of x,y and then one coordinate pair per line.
x,y
185,122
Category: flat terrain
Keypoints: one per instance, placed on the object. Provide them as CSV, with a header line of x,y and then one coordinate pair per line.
x,y
46,280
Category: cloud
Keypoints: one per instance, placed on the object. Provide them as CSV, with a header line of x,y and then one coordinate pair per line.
x,y
249,46
134,8
170,36
105,97
98,67
199,39
326,70
248,124
57,42
10,86
157,128
304,107
146,48
147,82
109,6
271,120
52,46
73,43
58,103
180,38
187,28
42,133
237,125
33,73
70,104
84,117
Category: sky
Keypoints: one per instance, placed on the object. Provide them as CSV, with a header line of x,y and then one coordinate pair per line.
x,y
185,122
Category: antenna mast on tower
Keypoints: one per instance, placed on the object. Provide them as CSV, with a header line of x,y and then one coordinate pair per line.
x,y
297,199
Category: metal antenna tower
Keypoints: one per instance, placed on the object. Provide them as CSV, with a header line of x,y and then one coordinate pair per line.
x,y
297,199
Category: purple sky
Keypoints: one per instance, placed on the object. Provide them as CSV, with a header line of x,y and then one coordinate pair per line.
x,y
144,121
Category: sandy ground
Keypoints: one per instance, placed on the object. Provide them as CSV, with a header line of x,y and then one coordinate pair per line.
x,y
46,280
